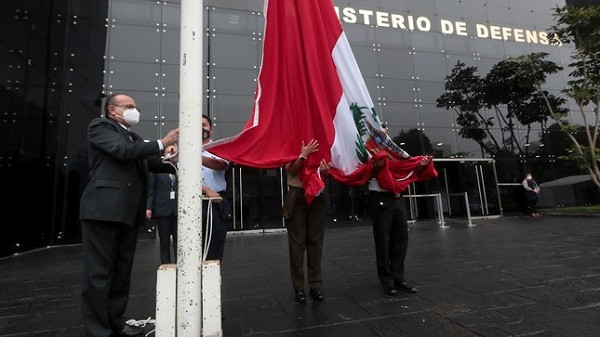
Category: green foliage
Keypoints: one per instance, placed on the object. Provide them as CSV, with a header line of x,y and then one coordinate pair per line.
x,y
517,82
463,90
514,83
581,160
579,209
516,78
580,26
513,90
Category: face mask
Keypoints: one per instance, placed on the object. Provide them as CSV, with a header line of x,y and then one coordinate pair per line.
x,y
205,133
131,116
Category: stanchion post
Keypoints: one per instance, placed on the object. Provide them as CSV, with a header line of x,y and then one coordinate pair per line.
x,y
468,210
211,299
441,211
166,300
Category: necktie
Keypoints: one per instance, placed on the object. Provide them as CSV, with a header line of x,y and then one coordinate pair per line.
x,y
131,135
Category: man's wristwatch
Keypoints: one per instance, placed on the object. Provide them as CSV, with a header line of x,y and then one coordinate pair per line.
x,y
301,157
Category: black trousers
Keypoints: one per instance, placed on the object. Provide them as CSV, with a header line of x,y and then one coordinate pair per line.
x,y
390,231
167,228
306,231
532,206
216,246
108,251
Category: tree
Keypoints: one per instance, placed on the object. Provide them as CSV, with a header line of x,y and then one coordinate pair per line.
x,y
517,82
414,142
510,84
581,26
464,95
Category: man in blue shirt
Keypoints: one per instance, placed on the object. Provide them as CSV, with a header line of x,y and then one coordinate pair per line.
x,y
214,186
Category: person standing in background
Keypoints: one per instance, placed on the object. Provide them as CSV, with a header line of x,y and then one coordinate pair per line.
x,y
162,206
532,190
111,211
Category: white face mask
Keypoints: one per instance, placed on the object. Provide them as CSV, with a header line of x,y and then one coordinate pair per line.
x,y
131,116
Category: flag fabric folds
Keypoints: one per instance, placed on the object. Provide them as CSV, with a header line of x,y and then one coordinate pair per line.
x,y
310,87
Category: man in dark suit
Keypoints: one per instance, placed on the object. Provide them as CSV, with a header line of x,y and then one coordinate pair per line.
x,y
162,206
111,210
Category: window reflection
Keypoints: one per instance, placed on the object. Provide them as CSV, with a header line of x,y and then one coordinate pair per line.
x,y
134,43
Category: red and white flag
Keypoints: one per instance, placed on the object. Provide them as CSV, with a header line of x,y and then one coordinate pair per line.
x,y
310,87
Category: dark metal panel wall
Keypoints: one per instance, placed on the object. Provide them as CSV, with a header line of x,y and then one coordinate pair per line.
x,y
51,53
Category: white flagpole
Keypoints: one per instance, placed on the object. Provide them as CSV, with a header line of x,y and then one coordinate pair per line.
x,y
189,241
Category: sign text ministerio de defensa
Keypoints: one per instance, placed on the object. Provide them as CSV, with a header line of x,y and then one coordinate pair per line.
x,y
424,24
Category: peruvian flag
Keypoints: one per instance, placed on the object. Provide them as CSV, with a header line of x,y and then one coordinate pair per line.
x,y
310,87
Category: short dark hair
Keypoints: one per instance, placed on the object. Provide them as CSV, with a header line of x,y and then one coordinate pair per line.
x,y
208,119
110,100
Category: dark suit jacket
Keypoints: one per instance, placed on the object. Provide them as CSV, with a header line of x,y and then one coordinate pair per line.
x,y
159,195
118,173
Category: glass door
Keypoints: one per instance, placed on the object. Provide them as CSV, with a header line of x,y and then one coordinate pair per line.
x,y
475,177
256,198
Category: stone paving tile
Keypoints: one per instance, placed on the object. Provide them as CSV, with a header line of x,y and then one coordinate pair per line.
x,y
484,319
352,328
329,312
260,315
397,306
510,299
555,320
457,299
419,324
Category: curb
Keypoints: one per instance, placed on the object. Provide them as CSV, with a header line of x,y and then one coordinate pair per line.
x,y
576,215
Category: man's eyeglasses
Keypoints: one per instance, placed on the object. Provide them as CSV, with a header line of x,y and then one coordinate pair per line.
x,y
125,107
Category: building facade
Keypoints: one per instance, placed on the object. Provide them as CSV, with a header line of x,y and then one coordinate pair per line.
x,y
62,57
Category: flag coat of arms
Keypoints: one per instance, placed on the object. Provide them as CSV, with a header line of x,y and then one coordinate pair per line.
x,y
310,87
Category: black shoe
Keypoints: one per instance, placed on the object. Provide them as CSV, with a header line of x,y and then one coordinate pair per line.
x,y
316,294
390,290
405,287
300,296
131,330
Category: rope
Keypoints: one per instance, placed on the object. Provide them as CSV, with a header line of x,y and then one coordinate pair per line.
x,y
142,323
209,225
208,236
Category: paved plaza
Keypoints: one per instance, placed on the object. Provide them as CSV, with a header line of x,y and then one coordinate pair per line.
x,y
512,276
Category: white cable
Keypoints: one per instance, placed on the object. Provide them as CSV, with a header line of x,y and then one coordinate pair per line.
x,y
171,155
168,162
141,323
207,237
209,226
166,158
